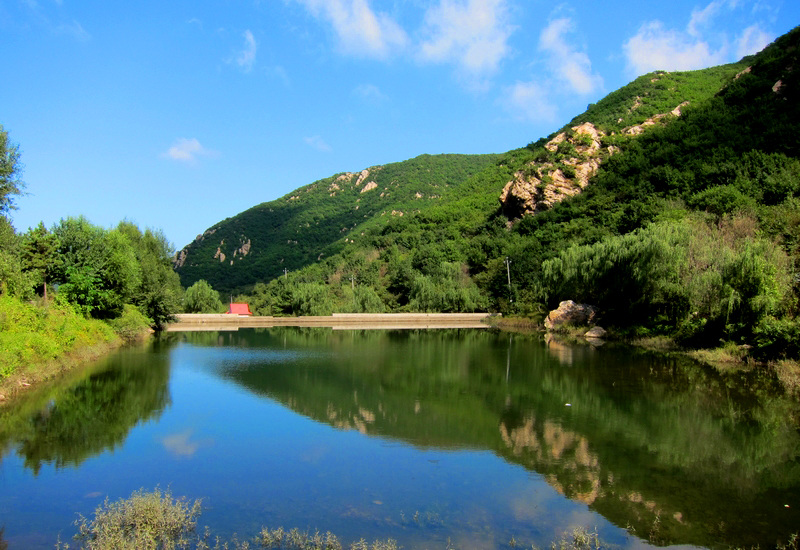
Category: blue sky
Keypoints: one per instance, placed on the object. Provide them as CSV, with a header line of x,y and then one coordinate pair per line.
x,y
178,114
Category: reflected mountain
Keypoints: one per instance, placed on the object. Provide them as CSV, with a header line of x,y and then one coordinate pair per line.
x,y
90,416
669,449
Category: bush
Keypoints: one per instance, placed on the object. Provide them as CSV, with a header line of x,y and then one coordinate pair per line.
x,y
131,325
775,338
146,520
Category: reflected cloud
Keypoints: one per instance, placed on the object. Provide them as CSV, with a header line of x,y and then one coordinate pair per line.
x,y
179,444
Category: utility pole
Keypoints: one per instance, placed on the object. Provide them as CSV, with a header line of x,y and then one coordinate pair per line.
x,y
285,273
508,272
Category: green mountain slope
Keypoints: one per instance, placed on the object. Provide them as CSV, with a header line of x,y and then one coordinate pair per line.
x,y
673,204
316,221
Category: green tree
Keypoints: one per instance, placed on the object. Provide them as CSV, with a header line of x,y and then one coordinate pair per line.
x,y
13,280
202,298
100,268
10,172
159,293
40,255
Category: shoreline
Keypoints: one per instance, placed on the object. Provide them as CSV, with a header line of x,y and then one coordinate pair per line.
x,y
22,382
37,375
722,359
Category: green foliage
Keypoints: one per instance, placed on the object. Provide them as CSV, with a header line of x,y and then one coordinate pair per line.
x,y
30,335
313,222
131,325
14,280
706,282
149,520
201,298
40,255
776,337
10,173
100,271
721,199
629,242
159,293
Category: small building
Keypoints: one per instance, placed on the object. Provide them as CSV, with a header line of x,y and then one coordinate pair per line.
x,y
239,309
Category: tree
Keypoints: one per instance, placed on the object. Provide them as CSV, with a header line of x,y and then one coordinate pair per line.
x,y
13,280
202,298
100,269
40,255
159,293
10,172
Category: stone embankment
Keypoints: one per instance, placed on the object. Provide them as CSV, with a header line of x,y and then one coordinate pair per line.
x,y
337,321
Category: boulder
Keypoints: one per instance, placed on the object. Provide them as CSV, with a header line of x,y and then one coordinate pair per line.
x,y
595,332
570,312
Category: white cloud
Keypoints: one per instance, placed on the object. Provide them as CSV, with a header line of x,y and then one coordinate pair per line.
x,y
318,143
752,40
704,42
247,57
655,48
179,444
529,102
472,33
361,31
702,17
570,65
188,150
369,91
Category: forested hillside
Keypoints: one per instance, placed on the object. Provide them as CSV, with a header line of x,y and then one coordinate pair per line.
x,y
318,220
673,204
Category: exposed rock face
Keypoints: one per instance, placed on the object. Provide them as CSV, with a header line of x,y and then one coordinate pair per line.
x,y
570,312
244,250
347,176
369,187
180,259
639,128
578,155
542,185
362,176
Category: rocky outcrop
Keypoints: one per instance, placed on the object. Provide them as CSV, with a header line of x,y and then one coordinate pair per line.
x,y
572,313
180,259
653,120
595,332
541,185
574,158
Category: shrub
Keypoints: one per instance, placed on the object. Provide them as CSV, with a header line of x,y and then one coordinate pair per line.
x,y
131,324
146,520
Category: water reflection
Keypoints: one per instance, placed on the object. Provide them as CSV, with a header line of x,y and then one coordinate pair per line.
x,y
673,451
90,416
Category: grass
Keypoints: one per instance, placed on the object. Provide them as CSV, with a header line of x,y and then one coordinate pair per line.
x,y
39,341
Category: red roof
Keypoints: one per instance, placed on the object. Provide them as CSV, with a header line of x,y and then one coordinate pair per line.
x,y
239,309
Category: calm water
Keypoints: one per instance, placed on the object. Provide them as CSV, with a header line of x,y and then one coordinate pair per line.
x,y
419,436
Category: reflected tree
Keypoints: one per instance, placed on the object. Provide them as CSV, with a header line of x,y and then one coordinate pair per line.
x,y
95,415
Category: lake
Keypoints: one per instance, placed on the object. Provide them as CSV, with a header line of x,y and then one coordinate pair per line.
x,y
466,436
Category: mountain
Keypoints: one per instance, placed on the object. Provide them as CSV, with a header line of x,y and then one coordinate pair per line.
x,y
317,220
673,204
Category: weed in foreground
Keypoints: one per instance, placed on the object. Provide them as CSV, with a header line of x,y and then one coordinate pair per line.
x,y
147,520
579,538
